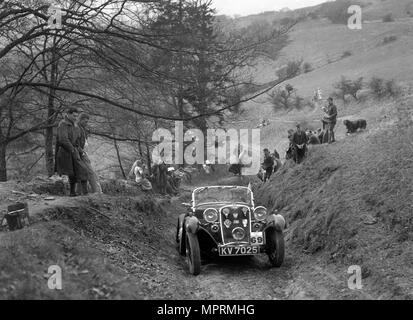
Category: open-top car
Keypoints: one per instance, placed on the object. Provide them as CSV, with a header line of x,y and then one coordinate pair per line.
x,y
224,220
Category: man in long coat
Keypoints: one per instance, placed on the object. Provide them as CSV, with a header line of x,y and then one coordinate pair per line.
x,y
68,158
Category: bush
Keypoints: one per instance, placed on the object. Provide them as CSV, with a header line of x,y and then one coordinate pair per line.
x,y
280,99
307,67
377,86
388,18
298,102
346,54
389,39
392,88
348,87
289,88
291,70
381,88
284,99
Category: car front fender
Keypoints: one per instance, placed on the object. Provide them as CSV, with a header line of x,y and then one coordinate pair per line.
x,y
277,221
192,225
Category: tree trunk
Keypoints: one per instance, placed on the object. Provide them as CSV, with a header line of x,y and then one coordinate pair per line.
x,y
119,159
148,158
3,162
140,148
49,154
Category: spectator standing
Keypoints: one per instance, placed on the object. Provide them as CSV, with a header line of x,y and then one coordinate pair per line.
x,y
268,165
68,152
330,119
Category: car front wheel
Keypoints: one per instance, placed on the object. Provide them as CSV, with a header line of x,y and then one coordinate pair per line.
x,y
180,241
275,249
193,253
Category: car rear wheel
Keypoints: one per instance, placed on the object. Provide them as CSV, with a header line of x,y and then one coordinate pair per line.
x,y
275,248
193,253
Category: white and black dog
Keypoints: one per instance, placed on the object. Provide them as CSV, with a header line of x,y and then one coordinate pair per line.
x,y
353,126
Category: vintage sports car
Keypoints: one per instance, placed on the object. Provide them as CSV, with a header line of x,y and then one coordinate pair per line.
x,y
224,220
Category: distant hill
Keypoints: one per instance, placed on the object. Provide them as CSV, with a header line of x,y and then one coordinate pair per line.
x,y
333,50
372,10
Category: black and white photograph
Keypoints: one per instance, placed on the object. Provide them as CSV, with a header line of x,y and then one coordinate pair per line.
x,y
206,155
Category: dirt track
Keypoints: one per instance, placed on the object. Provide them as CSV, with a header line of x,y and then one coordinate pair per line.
x,y
123,247
300,277
148,265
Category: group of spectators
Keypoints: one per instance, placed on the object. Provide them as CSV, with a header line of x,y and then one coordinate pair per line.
x,y
299,140
72,160
164,179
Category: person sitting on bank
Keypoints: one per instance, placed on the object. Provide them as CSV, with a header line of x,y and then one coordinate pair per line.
x,y
138,169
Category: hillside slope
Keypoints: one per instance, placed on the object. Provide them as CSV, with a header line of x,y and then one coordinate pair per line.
x,y
351,203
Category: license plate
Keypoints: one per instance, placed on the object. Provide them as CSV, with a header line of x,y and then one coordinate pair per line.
x,y
238,251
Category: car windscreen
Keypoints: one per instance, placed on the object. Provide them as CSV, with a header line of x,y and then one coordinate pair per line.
x,y
222,194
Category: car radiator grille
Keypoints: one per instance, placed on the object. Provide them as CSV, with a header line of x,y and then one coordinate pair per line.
x,y
235,219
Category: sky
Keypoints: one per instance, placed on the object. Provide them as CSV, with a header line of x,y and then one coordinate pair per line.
x,y
247,7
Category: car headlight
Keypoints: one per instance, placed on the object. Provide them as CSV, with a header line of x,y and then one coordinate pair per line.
x,y
238,234
260,213
211,215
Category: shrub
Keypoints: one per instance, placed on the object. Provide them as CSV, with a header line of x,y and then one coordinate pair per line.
x,y
389,39
388,18
298,102
283,99
348,87
381,88
377,86
289,88
392,88
280,99
291,70
307,67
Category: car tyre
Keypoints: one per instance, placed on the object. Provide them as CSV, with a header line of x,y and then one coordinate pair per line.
x,y
275,248
193,253
180,241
